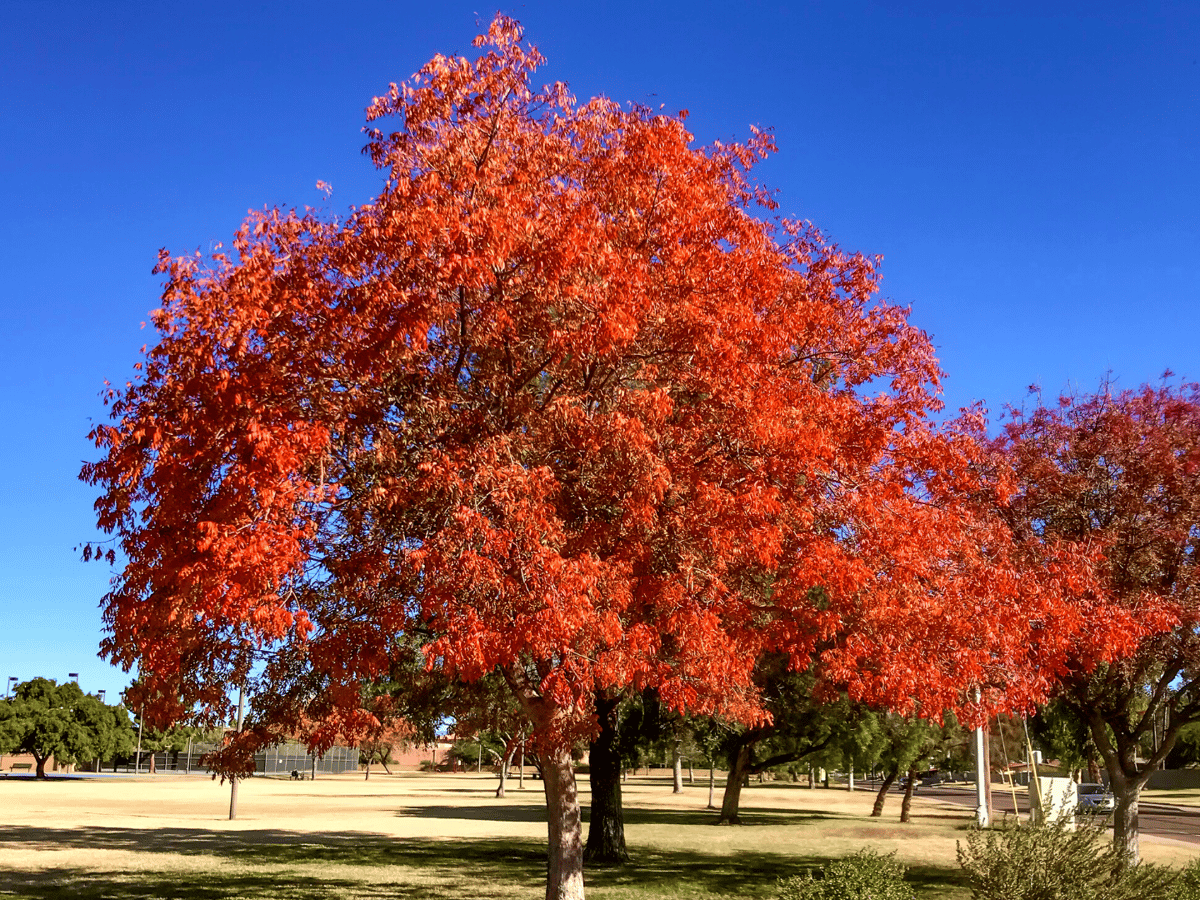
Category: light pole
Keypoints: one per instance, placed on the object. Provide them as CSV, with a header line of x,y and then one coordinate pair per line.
x,y
12,679
981,776
101,693
137,762
73,676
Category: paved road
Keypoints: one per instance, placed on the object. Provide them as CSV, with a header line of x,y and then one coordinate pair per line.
x,y
1182,823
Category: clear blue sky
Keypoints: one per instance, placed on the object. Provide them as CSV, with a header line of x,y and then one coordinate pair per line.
x,y
1030,173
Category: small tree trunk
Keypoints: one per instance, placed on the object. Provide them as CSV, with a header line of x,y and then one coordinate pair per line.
x,y
367,777
906,806
152,768
41,765
691,772
1093,770
711,781
606,826
1127,792
812,779
564,877
738,773
850,784
383,762
677,765
881,797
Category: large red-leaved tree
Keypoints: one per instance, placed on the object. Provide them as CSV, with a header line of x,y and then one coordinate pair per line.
x,y
1119,471
558,398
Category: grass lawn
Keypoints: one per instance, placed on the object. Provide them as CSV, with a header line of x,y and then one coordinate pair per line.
x,y
444,836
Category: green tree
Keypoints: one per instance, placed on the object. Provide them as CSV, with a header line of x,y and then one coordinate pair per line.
x,y
47,719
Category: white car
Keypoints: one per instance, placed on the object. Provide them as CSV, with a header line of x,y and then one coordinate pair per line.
x,y
1093,798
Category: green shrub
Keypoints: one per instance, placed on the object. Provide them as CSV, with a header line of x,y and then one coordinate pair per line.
x,y
864,876
1049,862
1188,885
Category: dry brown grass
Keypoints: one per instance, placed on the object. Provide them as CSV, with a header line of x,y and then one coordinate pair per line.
x,y
415,835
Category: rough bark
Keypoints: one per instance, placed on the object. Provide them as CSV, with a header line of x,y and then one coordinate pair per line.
x,y
738,772
41,765
881,797
1126,837
564,876
906,806
1126,783
606,825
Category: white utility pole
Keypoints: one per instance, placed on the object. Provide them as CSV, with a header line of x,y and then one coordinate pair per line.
x,y
981,774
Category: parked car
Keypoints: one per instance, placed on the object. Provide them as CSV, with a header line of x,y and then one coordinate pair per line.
x,y
1094,798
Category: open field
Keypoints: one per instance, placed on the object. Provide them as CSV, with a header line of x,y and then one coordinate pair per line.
x,y
445,836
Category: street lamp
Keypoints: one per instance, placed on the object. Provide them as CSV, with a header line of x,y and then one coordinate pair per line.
x,y
74,676
12,679
101,693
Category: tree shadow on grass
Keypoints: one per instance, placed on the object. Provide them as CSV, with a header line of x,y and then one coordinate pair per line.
x,y
421,867
633,816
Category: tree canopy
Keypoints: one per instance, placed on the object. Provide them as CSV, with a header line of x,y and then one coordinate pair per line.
x,y
47,719
560,398
1118,472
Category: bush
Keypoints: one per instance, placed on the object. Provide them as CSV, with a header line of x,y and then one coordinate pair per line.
x,y
864,876
1049,862
1188,885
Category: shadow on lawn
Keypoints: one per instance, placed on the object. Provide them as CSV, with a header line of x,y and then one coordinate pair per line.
x,y
454,870
633,816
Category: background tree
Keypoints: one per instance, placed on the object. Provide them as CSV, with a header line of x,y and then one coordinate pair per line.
x,y
559,396
799,726
1186,751
47,719
1119,473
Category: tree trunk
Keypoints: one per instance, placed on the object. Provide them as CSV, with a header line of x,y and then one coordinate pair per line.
x,y
738,772
906,806
152,768
505,768
850,783
41,765
564,877
711,781
606,825
1125,821
383,762
1126,785
881,797
367,777
677,765
1093,770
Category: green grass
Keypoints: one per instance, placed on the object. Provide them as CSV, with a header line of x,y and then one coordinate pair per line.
x,y
200,864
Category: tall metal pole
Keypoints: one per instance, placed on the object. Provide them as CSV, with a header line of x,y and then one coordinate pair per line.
x,y
233,782
137,759
981,775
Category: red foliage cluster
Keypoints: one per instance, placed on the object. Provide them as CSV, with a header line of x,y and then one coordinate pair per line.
x,y
558,396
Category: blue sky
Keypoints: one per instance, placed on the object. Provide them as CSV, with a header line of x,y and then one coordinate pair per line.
x,y
1030,173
